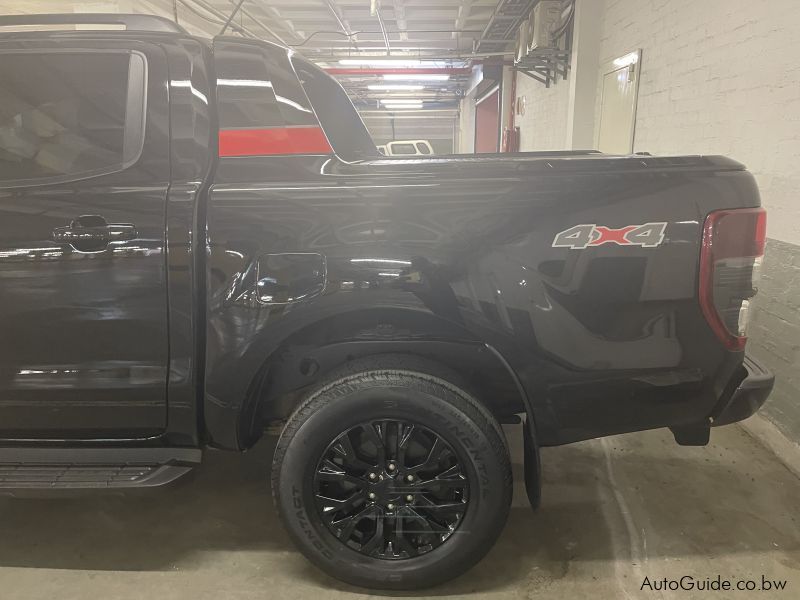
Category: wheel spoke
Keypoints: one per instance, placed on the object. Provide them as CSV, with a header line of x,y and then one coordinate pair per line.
x,y
330,471
450,479
404,433
441,510
451,473
433,454
378,540
376,433
438,447
400,540
330,506
348,524
448,484
428,526
344,448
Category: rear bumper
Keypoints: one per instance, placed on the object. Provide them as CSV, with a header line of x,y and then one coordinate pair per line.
x,y
749,395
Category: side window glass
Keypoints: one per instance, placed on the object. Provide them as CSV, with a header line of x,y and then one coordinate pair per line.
x,y
69,115
245,94
262,108
292,99
255,91
404,149
423,149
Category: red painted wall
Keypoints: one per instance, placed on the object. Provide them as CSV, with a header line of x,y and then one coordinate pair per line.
x,y
487,123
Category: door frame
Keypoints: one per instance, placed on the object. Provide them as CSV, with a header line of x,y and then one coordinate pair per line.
x,y
634,59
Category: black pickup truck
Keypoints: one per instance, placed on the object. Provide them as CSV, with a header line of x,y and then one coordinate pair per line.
x,y
198,240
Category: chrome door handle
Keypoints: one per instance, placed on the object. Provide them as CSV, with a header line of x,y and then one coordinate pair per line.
x,y
92,233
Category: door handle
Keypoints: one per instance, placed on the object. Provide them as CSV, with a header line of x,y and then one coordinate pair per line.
x,y
92,233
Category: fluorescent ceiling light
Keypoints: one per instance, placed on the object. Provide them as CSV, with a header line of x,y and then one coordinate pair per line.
x,y
413,77
402,106
401,101
396,87
627,60
376,62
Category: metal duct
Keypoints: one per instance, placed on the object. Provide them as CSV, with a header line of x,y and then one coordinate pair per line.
x,y
500,33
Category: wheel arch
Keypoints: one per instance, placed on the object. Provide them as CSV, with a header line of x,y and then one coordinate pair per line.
x,y
306,358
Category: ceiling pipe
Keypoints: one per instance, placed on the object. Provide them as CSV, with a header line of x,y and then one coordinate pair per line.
x,y
263,26
335,11
209,8
377,9
190,6
223,17
230,18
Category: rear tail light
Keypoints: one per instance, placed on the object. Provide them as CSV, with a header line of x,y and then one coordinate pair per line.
x,y
730,263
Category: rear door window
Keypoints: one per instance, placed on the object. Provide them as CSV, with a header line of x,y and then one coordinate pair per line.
x,y
250,95
262,107
403,149
69,115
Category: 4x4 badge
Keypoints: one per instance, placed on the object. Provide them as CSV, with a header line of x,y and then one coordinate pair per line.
x,y
578,237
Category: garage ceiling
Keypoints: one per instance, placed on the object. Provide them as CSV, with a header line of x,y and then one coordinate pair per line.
x,y
340,28
330,31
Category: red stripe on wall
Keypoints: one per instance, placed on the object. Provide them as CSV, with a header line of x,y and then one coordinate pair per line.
x,y
273,140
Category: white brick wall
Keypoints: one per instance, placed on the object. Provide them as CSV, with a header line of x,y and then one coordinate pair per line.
x,y
544,124
717,77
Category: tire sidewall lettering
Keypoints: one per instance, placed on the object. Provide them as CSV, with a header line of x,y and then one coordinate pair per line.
x,y
305,524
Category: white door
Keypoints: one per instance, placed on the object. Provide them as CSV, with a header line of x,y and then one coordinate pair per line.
x,y
618,104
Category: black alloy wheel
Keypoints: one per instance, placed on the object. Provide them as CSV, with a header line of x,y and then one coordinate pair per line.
x,y
391,475
391,489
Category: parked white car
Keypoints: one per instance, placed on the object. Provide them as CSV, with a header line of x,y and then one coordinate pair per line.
x,y
407,148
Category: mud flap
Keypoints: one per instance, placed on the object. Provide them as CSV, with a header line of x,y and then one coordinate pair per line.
x,y
533,465
692,435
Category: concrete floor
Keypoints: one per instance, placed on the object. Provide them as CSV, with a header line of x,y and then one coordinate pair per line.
x,y
615,511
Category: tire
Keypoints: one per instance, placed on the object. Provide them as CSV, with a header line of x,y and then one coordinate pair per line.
x,y
469,499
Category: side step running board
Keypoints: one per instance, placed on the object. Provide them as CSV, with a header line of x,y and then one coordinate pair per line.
x,y
99,468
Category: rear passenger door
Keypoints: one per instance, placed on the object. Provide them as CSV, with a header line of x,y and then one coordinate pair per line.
x,y
84,173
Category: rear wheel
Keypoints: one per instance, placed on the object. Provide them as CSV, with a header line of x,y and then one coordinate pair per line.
x,y
392,479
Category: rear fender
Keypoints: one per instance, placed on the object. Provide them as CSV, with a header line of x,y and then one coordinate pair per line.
x,y
296,368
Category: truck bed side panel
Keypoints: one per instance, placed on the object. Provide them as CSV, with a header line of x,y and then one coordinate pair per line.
x,y
605,339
